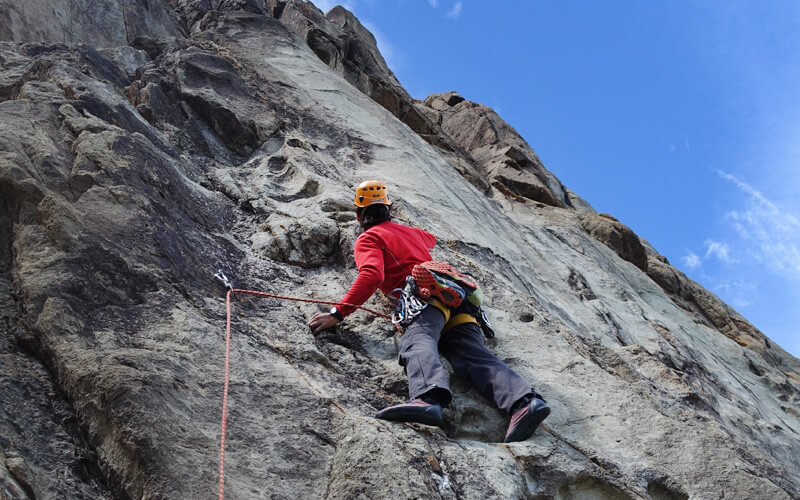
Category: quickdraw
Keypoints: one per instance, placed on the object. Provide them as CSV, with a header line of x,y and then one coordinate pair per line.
x,y
409,304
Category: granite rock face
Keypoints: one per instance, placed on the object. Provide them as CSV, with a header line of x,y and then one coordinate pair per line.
x,y
98,23
138,158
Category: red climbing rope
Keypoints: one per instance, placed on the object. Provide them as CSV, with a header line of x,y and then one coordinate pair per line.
x,y
315,301
231,291
225,396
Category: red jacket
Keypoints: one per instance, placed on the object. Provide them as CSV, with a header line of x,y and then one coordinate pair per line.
x,y
385,255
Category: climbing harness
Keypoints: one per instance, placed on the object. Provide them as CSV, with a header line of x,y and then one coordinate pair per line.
x,y
231,290
454,289
409,304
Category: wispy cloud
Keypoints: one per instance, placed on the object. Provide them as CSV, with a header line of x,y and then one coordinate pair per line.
x,y
771,234
433,3
739,293
719,250
757,66
691,260
455,12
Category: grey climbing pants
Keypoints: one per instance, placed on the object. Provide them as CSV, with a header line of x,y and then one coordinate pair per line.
x,y
463,347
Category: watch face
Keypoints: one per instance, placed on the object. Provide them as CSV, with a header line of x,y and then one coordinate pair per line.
x,y
334,310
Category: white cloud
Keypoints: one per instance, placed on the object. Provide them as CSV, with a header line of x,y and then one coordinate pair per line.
x,y
455,12
757,67
772,235
691,261
740,293
719,250
433,3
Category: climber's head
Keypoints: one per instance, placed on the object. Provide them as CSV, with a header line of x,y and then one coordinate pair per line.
x,y
373,204
371,193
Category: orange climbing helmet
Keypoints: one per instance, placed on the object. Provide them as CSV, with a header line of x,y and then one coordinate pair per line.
x,y
371,193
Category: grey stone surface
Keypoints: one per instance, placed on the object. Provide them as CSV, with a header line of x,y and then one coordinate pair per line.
x,y
99,23
129,176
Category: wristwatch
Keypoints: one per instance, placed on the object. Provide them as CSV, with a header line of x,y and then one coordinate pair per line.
x,y
336,314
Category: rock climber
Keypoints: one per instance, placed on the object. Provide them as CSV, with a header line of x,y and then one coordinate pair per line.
x,y
385,255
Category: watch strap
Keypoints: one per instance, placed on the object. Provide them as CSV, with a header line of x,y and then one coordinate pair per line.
x,y
336,314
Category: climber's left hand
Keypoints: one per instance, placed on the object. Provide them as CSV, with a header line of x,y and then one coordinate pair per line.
x,y
322,321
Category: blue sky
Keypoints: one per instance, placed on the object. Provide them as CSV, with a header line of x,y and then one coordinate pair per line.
x,y
679,118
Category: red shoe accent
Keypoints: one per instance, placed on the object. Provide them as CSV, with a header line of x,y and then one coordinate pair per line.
x,y
525,420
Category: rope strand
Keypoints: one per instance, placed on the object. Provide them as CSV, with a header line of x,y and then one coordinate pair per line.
x,y
225,396
231,291
315,301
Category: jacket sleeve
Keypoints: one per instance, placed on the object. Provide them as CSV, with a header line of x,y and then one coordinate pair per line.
x,y
369,261
428,238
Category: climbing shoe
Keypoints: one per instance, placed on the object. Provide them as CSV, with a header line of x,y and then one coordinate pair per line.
x,y
416,410
525,420
431,283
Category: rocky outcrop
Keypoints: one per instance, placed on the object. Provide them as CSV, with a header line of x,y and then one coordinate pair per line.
x,y
197,90
131,173
503,155
342,42
617,236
